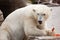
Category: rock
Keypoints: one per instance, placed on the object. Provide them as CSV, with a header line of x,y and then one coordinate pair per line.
x,y
8,6
43,38
1,17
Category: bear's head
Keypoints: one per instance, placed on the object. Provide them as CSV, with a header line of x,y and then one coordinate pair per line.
x,y
41,13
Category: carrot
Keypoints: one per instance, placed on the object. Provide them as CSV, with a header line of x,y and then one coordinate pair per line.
x,y
56,34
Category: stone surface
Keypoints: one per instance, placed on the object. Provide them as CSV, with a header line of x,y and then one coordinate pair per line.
x,y
1,17
43,38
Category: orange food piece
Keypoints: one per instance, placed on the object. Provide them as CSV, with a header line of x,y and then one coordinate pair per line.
x,y
56,34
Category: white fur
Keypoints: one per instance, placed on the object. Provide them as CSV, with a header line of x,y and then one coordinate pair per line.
x,y
21,22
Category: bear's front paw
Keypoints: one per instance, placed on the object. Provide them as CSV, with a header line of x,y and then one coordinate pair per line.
x,y
50,33
44,33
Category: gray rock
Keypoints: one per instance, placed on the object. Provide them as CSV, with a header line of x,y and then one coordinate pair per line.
x,y
1,17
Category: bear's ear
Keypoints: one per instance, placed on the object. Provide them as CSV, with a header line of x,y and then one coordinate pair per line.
x,y
34,10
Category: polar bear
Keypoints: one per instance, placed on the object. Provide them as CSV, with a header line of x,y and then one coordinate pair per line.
x,y
27,21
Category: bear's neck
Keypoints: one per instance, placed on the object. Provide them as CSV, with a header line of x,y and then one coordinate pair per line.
x,y
41,26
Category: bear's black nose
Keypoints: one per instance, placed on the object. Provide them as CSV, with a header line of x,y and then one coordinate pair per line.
x,y
40,22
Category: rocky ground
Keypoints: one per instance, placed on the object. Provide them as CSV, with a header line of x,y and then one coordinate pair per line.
x,y
1,17
43,38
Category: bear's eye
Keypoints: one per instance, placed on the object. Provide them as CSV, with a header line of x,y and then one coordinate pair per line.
x,y
44,14
34,10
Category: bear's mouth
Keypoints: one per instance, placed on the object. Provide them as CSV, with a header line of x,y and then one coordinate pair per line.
x,y
40,22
